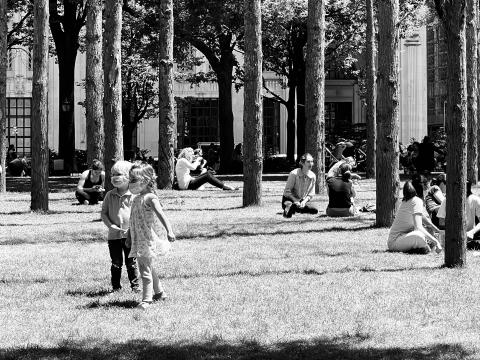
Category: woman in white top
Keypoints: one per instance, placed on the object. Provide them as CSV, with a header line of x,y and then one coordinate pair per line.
x,y
187,162
407,233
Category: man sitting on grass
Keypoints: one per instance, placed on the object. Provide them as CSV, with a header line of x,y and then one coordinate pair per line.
x,y
300,189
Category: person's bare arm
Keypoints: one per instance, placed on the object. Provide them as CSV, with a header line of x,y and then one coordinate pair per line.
x,y
81,181
152,201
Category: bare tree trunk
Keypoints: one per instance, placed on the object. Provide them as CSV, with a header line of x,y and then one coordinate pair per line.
x,y
371,92
290,105
472,90
453,16
315,89
94,83
112,105
65,31
225,112
39,193
252,106
301,114
387,153
166,136
478,92
3,93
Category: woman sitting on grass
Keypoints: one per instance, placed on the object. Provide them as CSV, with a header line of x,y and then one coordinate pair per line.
x,y
407,233
90,187
187,162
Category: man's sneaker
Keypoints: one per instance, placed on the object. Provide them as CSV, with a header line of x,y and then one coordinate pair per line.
x,y
160,296
86,202
287,211
144,305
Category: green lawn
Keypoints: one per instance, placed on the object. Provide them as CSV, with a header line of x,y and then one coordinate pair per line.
x,y
242,283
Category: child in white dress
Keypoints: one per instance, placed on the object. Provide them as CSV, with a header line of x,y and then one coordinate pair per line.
x,y
150,230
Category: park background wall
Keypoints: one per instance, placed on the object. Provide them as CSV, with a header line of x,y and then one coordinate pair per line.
x,y
342,97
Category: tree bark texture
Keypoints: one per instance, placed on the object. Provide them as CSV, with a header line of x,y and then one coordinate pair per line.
x,y
112,105
252,105
387,152
453,16
371,95
315,89
301,112
290,105
39,193
94,83
167,132
472,90
225,112
3,93
65,30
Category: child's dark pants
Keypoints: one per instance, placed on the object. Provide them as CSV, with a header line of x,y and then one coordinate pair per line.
x,y
117,250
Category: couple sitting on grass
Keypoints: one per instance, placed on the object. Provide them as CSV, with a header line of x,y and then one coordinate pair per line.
x,y
137,228
300,189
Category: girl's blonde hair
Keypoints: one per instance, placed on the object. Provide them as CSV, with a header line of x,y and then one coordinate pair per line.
x,y
144,172
186,153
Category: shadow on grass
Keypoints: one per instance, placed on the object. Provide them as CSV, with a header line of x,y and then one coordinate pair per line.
x,y
62,238
203,209
315,272
126,304
346,347
242,233
89,293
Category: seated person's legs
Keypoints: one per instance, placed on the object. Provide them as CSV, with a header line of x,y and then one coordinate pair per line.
x,y
289,208
309,208
208,177
341,212
82,196
414,241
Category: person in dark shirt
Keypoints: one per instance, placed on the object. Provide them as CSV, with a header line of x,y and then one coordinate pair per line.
x,y
341,193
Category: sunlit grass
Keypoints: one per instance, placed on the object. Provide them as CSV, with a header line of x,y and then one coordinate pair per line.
x,y
242,283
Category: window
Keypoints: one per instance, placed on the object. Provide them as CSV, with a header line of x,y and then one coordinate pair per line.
x,y
19,125
201,121
10,58
271,126
338,116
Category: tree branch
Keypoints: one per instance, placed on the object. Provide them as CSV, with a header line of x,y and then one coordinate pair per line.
x,y
278,98
202,47
18,25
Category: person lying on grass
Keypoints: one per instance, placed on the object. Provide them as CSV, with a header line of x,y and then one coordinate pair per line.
x,y
407,233
90,188
300,189
341,194
116,216
187,162
150,231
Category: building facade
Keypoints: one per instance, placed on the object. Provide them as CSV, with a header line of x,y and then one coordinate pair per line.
x,y
197,106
